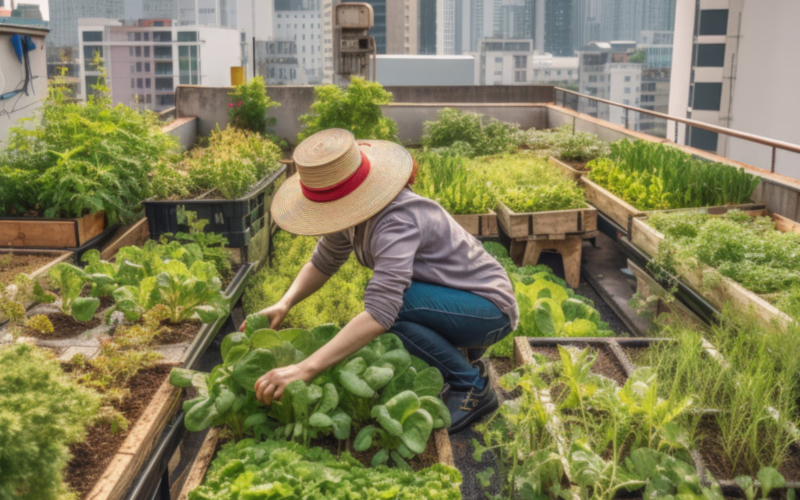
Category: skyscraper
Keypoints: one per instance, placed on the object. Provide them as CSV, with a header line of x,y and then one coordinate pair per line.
x,y
427,27
620,20
220,13
658,15
558,38
379,28
446,27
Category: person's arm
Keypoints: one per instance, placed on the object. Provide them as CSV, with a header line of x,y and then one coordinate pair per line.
x,y
355,335
394,246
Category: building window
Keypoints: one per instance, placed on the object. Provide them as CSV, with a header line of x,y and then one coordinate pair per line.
x,y
627,78
147,51
139,83
130,51
162,36
627,90
92,36
137,37
89,52
138,52
187,36
592,78
626,102
498,60
520,62
138,67
162,52
713,22
707,96
147,67
146,36
147,83
710,55
520,76
702,139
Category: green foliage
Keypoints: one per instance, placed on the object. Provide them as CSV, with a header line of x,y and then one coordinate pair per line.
x,y
380,382
339,301
547,307
523,182
82,158
232,164
653,176
610,439
748,250
249,106
42,412
567,145
70,280
468,135
212,245
356,108
275,469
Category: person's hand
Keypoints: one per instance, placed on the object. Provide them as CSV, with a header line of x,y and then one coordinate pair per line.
x,y
271,385
275,313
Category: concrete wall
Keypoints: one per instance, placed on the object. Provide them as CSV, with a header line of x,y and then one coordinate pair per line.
x,y
185,129
12,75
421,70
411,117
210,104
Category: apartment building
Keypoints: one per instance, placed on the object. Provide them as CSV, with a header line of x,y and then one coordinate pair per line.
x,y
607,72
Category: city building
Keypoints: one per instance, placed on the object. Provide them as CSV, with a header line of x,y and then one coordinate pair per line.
x,y
504,62
606,72
328,39
18,105
157,9
559,71
732,66
513,19
654,97
446,27
657,47
278,63
620,20
402,29
658,15
27,11
220,13
4,11
144,63
557,29
299,22
416,70
427,27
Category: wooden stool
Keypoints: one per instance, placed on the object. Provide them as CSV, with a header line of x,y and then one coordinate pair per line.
x,y
527,252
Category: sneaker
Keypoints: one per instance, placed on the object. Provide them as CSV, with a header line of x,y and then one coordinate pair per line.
x,y
467,407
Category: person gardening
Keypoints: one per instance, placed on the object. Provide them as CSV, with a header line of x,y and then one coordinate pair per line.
x,y
433,284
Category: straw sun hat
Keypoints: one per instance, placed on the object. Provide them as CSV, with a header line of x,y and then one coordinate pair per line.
x,y
340,182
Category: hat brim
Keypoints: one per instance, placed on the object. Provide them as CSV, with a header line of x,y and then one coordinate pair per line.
x,y
390,169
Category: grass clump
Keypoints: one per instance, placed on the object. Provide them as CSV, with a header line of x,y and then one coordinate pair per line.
x,y
42,412
469,134
748,250
567,145
653,176
339,301
457,184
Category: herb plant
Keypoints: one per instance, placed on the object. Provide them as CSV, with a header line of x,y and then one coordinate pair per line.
x,y
356,108
82,158
249,106
339,301
42,412
467,134
525,183
567,145
291,470
458,185
654,176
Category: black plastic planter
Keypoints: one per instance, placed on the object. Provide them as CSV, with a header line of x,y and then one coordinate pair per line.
x,y
238,220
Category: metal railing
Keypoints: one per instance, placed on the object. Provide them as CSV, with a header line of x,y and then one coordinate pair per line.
x,y
775,145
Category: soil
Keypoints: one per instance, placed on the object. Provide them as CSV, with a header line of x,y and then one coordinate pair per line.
x,y
227,280
502,366
12,264
64,327
91,457
178,333
717,462
605,364
577,165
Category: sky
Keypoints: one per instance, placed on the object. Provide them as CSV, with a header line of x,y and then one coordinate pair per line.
x,y
44,5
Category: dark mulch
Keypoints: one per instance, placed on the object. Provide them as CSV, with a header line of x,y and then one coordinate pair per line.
x,y
64,327
715,459
12,264
605,364
178,333
91,457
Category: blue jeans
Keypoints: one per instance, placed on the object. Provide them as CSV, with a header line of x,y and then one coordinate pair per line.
x,y
435,321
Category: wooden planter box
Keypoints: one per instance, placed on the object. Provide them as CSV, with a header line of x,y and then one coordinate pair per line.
x,y
647,239
35,232
125,466
547,225
478,224
568,169
56,256
197,472
612,206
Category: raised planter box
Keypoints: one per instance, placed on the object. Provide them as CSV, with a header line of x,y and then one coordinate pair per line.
x,y
478,225
53,257
612,206
195,475
547,225
37,232
569,170
647,239
241,221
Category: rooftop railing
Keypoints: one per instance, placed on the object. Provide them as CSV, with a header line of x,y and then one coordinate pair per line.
x,y
571,99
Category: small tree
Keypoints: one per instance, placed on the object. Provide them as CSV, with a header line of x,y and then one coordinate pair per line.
x,y
356,108
249,106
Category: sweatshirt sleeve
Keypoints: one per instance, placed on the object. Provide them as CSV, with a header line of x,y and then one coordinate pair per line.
x,y
331,253
394,245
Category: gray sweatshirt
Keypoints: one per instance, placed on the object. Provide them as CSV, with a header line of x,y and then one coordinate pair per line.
x,y
414,238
